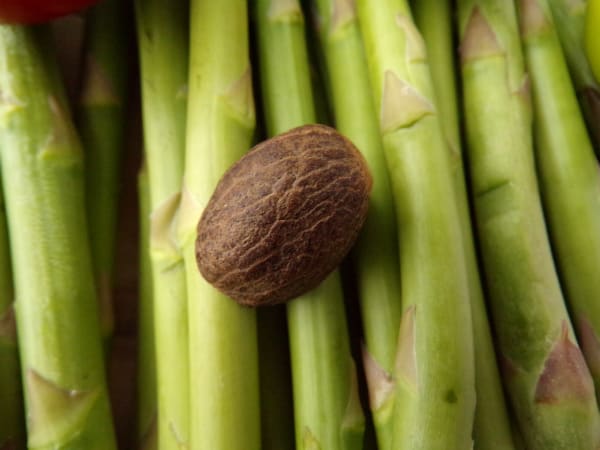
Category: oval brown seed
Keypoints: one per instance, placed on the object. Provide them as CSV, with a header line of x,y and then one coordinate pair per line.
x,y
284,216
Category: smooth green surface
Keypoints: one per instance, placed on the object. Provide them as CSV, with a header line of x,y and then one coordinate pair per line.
x,y
569,179
326,412
578,33
57,310
434,398
102,120
491,429
163,43
224,387
592,22
147,436
376,253
12,425
526,302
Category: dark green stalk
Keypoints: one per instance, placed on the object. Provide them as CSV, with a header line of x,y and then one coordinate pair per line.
x,y
434,392
57,311
568,175
491,429
224,387
163,48
376,253
550,387
147,436
323,372
12,427
101,118
569,17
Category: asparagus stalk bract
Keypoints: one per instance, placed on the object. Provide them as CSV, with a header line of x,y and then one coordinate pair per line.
x,y
147,436
327,410
376,253
163,43
550,388
224,394
57,311
568,175
434,398
569,17
11,404
101,121
491,429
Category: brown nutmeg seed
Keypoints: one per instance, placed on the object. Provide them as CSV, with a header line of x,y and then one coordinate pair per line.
x,y
284,216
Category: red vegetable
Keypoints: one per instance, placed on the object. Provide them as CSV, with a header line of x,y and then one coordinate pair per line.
x,y
36,11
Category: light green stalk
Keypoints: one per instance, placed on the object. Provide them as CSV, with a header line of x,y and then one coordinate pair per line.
x,y
491,429
162,27
11,404
101,120
550,388
569,17
376,253
327,410
147,436
434,395
57,311
221,120
569,176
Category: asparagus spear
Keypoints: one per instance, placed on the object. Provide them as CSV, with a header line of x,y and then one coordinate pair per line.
x,y
163,44
323,373
147,438
101,122
224,409
569,17
11,405
434,398
491,429
57,313
569,177
376,253
550,387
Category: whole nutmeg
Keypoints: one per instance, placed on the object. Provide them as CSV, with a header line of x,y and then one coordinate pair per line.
x,y
284,216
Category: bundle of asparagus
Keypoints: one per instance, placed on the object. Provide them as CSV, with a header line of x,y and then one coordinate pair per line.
x,y
474,271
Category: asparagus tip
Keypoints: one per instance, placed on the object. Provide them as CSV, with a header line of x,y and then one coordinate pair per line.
x,y
285,11
415,45
343,12
381,385
590,345
532,18
97,88
46,399
401,104
565,375
8,325
406,364
240,99
479,40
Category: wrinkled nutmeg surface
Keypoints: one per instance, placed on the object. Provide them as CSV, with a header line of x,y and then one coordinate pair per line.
x,y
284,216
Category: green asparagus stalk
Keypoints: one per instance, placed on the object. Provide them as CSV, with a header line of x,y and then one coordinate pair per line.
x,y
147,438
491,429
569,17
101,123
434,396
163,44
549,385
327,409
224,394
11,404
569,177
376,253
57,311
